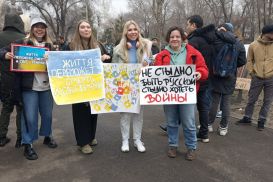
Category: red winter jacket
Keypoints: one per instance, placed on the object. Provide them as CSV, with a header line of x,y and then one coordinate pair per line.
x,y
193,57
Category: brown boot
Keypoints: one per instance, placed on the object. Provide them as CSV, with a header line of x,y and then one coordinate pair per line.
x,y
172,152
190,155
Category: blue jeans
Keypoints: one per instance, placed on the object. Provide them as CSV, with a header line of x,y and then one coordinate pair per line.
x,y
34,102
181,114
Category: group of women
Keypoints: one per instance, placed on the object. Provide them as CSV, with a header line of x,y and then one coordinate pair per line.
x,y
132,48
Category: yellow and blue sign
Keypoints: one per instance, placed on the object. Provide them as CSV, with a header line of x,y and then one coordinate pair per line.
x,y
76,76
28,58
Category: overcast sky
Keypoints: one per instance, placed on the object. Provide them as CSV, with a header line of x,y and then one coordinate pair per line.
x,y
120,5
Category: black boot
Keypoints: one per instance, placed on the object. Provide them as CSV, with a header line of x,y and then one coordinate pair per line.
x,y
4,141
30,153
260,126
50,142
245,120
18,143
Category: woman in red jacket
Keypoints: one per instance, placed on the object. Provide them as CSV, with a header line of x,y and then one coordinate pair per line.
x,y
177,52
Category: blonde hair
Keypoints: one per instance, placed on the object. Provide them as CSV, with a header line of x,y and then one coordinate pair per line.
x,y
122,47
77,42
32,38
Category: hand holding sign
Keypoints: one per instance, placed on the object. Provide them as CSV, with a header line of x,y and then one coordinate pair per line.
x,y
105,57
9,56
197,75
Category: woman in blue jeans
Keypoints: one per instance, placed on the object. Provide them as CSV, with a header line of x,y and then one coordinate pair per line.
x,y
36,95
177,52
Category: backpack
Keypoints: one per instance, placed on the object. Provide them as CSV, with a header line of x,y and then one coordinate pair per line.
x,y
225,62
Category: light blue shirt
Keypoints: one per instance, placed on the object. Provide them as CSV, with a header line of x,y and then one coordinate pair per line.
x,y
132,52
178,57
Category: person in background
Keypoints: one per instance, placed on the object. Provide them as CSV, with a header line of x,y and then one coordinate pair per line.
x,y
13,30
223,87
36,94
201,38
155,46
62,44
260,67
177,52
85,123
133,48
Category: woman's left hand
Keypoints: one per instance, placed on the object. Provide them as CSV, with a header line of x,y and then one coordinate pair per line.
x,y
105,57
144,63
45,57
197,75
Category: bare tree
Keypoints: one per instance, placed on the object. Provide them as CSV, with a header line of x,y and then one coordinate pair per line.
x,y
2,13
141,13
160,12
57,13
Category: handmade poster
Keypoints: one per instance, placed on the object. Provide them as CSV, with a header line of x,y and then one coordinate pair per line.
x,y
121,89
76,76
28,58
243,83
167,85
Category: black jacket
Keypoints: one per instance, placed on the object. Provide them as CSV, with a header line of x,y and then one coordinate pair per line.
x,y
23,80
12,31
155,49
203,40
227,85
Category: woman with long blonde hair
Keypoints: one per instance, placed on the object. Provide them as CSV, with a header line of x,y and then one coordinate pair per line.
x,y
132,49
85,123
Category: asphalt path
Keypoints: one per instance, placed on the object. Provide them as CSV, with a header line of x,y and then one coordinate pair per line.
x,y
244,155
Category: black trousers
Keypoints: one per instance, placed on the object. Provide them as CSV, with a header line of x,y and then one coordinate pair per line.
x,y
7,108
85,123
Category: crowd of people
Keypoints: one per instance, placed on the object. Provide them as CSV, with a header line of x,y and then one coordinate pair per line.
x,y
199,45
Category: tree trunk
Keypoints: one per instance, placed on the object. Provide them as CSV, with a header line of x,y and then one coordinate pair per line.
x,y
2,14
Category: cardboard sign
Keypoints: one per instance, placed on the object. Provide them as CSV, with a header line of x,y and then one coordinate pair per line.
x,y
243,83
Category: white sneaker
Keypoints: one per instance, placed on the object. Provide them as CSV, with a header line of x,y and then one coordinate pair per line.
x,y
125,146
139,145
219,114
210,128
223,131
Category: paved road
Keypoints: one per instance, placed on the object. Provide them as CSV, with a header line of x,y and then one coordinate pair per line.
x,y
244,155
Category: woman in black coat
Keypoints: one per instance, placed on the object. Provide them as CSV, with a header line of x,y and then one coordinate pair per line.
x,y
85,123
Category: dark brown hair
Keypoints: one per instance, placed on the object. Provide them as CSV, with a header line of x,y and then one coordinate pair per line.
x,y
76,43
182,33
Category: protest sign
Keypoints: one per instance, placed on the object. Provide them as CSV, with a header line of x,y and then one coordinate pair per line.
x,y
28,58
76,76
168,85
243,83
121,89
